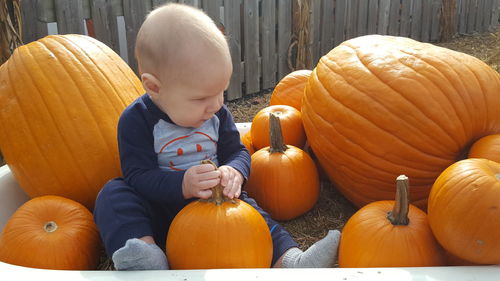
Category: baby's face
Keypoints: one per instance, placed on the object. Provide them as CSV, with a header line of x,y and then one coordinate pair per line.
x,y
197,93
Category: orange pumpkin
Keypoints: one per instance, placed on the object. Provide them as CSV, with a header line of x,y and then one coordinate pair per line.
x,y
379,106
389,234
51,232
284,179
219,233
246,139
61,98
290,89
464,206
291,122
487,147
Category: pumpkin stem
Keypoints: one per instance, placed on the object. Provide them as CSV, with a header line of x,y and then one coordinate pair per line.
x,y
399,214
217,195
275,134
50,226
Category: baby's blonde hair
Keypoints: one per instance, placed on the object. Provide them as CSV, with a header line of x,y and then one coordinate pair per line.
x,y
170,32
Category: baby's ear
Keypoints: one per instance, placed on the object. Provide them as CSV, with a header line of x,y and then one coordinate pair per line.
x,y
150,83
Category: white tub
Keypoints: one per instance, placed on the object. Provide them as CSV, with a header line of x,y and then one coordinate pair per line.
x,y
11,197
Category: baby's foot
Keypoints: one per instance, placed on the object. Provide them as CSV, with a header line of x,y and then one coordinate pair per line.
x,y
321,254
139,255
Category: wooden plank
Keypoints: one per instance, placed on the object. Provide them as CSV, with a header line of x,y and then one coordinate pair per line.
x,y
105,24
426,20
405,25
372,16
495,13
233,27
383,16
284,36
158,3
471,16
435,20
327,28
478,25
314,34
462,19
32,29
268,43
339,22
134,15
212,8
352,19
251,45
487,15
362,23
416,22
69,16
394,25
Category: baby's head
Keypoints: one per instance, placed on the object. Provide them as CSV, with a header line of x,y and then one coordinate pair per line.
x,y
184,63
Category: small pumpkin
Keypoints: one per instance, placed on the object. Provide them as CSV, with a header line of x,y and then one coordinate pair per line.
x,y
290,89
487,147
284,179
51,232
389,234
246,139
61,97
464,210
376,106
291,122
219,233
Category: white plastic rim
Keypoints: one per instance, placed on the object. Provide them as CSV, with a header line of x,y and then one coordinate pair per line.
x,y
12,196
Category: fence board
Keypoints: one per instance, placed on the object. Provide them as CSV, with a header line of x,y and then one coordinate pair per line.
x,y
373,17
462,19
478,25
212,8
105,24
383,16
352,19
284,36
362,18
69,16
339,22
495,13
426,20
471,16
435,16
314,34
268,36
232,25
251,45
33,29
134,14
405,25
416,22
394,18
327,29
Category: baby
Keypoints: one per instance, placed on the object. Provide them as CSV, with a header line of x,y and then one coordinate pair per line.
x,y
185,66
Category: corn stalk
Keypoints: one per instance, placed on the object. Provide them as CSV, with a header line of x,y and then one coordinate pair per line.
x,y
10,28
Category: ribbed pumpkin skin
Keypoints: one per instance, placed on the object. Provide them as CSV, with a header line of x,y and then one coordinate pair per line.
x,y
464,210
487,147
290,89
291,124
246,139
286,185
205,236
369,239
379,106
61,97
74,245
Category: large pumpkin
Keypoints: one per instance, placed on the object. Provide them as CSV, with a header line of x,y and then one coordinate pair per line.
x,y
219,233
61,97
379,106
389,234
487,147
464,210
290,89
51,232
284,179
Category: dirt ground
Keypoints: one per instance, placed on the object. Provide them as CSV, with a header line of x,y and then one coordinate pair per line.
x,y
332,209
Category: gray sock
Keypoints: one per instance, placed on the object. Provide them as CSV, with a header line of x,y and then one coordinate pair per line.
x,y
139,255
321,254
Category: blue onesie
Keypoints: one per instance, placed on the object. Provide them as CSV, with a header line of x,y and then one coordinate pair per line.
x,y
154,154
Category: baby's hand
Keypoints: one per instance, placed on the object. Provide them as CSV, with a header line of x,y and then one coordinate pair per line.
x,y
231,180
198,181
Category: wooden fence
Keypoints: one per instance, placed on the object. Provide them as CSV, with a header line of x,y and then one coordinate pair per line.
x,y
261,33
